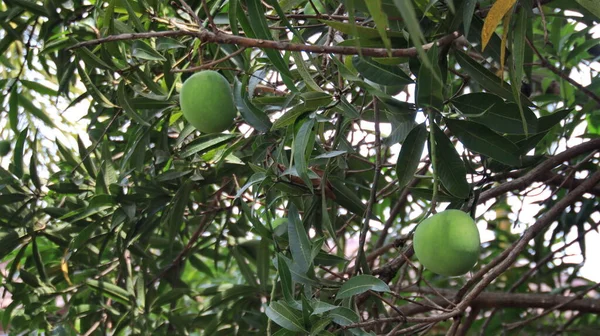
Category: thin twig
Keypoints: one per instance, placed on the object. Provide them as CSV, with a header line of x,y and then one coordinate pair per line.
x,y
546,64
526,276
191,12
539,6
211,21
373,195
550,310
210,64
201,227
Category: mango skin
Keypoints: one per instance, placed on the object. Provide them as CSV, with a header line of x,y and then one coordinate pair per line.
x,y
4,147
206,101
447,243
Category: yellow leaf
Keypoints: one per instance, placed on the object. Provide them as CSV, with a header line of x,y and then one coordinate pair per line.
x,y
495,15
506,25
64,266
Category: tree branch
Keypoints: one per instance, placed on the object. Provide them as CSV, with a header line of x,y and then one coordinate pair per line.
x,y
524,181
223,38
505,260
548,178
546,64
504,300
372,196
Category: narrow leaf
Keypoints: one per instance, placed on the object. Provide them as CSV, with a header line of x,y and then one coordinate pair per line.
x,y
410,154
285,316
450,168
481,139
302,147
299,242
380,73
360,284
493,18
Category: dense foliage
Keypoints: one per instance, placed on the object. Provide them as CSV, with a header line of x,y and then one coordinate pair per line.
x,y
357,120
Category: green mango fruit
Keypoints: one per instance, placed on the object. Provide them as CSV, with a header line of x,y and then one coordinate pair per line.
x,y
447,243
206,101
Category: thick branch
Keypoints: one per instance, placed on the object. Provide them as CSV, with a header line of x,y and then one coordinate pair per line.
x,y
544,167
223,38
505,260
503,300
549,178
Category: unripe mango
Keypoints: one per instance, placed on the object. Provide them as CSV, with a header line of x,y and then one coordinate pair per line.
x,y
447,243
207,102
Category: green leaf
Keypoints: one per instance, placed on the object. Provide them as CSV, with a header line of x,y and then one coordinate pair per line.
x,y
259,25
425,193
142,50
347,197
593,6
476,104
86,158
299,242
30,6
547,122
381,21
170,296
39,88
12,198
303,70
469,8
245,269
319,326
13,109
343,316
285,316
289,117
483,140
411,23
91,59
35,111
93,90
263,263
9,239
18,154
133,16
487,79
167,43
380,73
429,85
204,143
179,203
360,284
450,168
33,167
287,286
110,290
300,276
410,154
314,100
126,105
490,110
302,148
251,114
